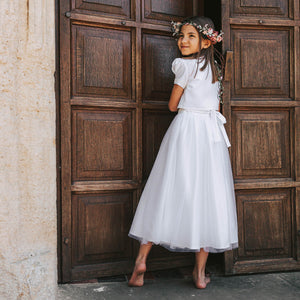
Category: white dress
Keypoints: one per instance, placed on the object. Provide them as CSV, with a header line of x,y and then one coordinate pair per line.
x,y
188,202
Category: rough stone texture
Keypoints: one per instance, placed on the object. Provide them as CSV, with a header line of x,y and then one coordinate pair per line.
x,y
28,264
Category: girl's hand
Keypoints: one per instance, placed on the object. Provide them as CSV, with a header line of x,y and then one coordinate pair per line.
x,y
176,94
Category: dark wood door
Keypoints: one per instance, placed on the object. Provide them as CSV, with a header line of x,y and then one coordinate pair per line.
x,y
115,81
262,98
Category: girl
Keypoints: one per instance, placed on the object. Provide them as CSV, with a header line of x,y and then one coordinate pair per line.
x,y
188,203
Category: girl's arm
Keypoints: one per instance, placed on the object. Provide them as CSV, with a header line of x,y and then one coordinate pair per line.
x,y
176,94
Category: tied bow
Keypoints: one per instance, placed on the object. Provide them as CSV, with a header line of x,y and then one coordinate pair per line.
x,y
219,121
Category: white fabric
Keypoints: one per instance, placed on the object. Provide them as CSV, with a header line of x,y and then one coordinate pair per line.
x,y
199,92
188,202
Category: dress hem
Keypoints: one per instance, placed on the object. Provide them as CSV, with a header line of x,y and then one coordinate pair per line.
x,y
173,248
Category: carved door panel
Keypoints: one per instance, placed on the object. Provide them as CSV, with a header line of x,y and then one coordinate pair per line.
x,y
262,98
115,81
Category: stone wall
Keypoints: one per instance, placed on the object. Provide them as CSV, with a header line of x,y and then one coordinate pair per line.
x,y
28,259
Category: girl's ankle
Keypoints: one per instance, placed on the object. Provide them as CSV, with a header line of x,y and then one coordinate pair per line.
x,y
199,271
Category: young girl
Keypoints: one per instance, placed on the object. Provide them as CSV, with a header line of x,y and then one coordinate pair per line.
x,y
188,203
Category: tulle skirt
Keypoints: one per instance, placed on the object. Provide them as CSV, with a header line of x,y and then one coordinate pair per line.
x,y
188,202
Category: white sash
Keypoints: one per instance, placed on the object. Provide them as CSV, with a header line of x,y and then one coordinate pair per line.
x,y
218,121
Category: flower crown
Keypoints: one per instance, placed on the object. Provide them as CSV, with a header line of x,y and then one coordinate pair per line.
x,y
212,35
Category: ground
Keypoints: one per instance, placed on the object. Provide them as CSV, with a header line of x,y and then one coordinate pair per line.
x,y
177,284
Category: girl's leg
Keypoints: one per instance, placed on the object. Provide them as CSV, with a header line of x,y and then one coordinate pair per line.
x,y
137,277
199,270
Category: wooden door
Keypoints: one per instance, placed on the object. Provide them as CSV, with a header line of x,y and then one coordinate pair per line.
x,y
115,81
262,98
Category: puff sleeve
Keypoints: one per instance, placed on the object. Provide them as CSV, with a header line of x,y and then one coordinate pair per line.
x,y
180,70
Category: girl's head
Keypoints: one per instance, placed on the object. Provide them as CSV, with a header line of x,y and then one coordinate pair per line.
x,y
196,37
189,41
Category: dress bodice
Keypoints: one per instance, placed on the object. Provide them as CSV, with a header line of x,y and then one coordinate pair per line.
x,y
199,91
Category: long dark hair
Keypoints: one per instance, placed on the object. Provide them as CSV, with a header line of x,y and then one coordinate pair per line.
x,y
210,56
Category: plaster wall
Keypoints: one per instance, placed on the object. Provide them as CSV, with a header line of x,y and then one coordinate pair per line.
x,y
28,264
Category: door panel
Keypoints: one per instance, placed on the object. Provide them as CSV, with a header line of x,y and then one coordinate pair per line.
x,y
100,227
115,75
158,10
119,8
102,62
102,141
261,101
254,48
264,227
261,141
261,7
158,54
